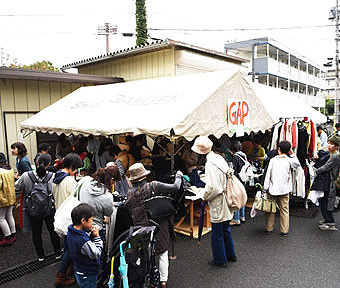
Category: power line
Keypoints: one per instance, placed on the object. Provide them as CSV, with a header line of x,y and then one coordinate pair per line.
x,y
61,15
238,29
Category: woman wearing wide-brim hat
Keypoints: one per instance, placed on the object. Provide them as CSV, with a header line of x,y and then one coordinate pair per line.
x,y
141,190
215,168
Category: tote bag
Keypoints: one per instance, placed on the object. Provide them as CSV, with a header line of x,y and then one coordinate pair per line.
x,y
62,217
265,205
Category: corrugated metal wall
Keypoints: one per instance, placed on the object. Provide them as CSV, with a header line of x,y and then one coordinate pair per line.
x,y
188,62
21,99
151,65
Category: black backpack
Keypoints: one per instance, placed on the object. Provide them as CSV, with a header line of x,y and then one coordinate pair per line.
x,y
40,201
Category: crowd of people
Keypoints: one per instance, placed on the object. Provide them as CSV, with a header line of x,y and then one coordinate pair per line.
x,y
96,168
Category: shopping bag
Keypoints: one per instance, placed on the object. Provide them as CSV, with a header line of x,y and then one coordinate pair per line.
x,y
265,205
62,217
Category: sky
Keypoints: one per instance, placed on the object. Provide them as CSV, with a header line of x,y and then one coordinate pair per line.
x,y
66,31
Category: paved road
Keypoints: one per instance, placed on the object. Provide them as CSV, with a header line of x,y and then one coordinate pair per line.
x,y
307,258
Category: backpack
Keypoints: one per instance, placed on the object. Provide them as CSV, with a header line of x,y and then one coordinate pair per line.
x,y
40,201
247,170
235,193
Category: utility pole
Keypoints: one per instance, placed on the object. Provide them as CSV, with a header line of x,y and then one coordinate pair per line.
x,y
107,30
2,57
336,102
335,15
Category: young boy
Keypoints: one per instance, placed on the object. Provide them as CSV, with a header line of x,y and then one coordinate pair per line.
x,y
85,245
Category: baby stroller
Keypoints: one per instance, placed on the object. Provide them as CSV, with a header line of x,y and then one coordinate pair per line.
x,y
135,246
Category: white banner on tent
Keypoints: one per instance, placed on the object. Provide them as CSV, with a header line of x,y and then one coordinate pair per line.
x,y
238,115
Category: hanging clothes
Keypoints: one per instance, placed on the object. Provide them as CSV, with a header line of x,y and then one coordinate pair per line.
x,y
292,133
283,132
275,135
303,139
313,140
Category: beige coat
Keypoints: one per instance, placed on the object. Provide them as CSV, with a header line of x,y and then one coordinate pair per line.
x,y
63,190
216,181
7,191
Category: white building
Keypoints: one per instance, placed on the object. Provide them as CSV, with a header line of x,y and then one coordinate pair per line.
x,y
273,64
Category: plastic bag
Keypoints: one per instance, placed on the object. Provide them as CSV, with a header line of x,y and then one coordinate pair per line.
x,y
62,217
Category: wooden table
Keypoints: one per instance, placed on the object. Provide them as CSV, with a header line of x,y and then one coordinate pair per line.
x,y
191,229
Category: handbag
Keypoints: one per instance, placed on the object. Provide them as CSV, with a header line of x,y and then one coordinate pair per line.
x,y
62,217
265,205
158,206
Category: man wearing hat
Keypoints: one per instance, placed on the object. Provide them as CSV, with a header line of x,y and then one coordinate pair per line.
x,y
215,168
141,190
7,200
328,201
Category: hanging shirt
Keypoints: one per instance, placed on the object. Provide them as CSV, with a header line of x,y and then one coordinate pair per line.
x,y
275,135
323,138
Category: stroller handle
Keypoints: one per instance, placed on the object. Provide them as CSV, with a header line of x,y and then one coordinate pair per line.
x,y
153,223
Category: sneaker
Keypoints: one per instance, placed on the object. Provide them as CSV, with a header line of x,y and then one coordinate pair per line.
x,y
328,227
243,219
234,222
232,258
284,234
59,255
5,242
212,263
322,222
268,232
13,239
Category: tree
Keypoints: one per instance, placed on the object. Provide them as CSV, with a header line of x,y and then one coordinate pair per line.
x,y
329,107
42,66
141,23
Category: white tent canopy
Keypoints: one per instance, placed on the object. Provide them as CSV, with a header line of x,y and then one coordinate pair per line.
x,y
281,104
192,105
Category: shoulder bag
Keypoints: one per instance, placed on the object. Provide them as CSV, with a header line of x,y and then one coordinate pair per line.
x,y
159,206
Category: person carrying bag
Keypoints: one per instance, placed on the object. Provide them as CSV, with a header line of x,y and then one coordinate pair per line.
x,y
216,167
278,184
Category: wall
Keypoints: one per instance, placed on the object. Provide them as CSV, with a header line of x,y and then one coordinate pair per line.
x,y
150,65
21,99
188,62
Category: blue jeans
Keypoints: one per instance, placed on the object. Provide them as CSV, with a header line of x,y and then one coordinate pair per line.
x,y
239,214
66,260
222,242
327,215
86,281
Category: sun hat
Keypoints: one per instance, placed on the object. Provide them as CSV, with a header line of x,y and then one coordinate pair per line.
x,y
334,139
137,171
202,145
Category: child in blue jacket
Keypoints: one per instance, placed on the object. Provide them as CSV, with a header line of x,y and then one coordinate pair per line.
x,y
85,245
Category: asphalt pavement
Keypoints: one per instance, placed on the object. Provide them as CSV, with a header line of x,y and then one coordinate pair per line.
x,y
309,257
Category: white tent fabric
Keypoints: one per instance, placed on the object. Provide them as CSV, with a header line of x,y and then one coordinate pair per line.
x,y
281,104
192,105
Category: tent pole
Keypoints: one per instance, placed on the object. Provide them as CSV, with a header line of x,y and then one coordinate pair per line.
x,y
172,155
172,152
